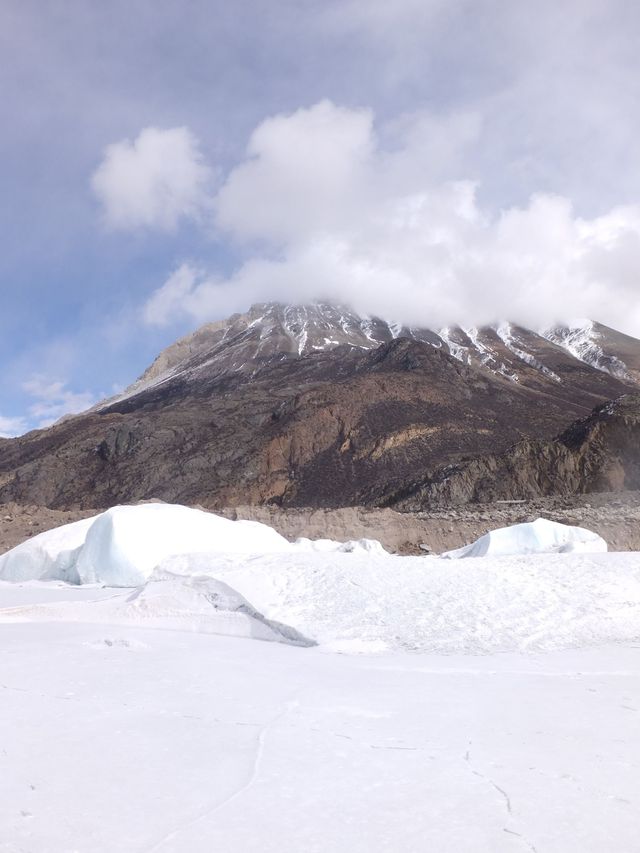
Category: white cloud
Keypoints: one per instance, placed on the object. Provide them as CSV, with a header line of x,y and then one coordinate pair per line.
x,y
10,427
175,295
53,400
396,26
337,215
153,182
303,172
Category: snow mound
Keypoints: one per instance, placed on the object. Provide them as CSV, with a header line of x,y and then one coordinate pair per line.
x,y
353,546
51,555
351,603
126,543
202,604
207,605
536,537
122,546
194,603
354,604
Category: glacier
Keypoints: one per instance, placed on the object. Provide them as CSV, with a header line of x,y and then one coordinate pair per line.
x,y
400,703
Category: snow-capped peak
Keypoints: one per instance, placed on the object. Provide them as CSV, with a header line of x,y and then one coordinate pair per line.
x,y
582,340
245,342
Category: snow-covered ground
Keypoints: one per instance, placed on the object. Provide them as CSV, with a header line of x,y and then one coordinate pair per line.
x,y
403,704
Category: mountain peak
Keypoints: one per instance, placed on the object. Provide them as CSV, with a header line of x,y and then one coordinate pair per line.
x,y
315,405
271,331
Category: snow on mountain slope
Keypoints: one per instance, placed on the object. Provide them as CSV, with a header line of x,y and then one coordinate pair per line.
x,y
271,331
585,342
508,336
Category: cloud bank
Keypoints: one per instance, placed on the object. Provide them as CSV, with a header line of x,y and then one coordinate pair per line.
x,y
12,426
155,181
516,106
322,208
52,400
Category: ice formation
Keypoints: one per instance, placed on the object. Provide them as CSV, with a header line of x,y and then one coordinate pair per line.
x,y
122,546
535,537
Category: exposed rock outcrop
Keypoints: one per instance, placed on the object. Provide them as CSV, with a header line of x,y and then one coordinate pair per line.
x,y
600,453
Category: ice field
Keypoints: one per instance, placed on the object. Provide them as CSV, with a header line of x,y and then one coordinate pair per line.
x,y
399,704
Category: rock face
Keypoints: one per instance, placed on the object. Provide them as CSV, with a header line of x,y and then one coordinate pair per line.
x,y
600,453
245,343
315,406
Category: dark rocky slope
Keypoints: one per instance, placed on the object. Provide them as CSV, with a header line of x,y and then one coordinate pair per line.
x,y
600,453
342,425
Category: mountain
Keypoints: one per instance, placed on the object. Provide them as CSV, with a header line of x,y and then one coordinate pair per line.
x,y
600,453
317,406
245,343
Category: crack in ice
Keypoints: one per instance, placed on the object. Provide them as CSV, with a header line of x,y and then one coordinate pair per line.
x,y
253,777
505,796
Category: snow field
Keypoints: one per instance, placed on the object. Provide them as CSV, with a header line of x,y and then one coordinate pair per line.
x,y
424,604
354,604
199,572
115,735
145,741
197,604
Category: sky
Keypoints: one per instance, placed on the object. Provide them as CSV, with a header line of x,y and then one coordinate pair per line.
x,y
164,163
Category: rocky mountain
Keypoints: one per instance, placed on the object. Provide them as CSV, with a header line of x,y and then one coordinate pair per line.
x,y
317,406
600,453
245,343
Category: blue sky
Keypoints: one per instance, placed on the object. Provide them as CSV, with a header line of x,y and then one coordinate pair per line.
x,y
165,163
